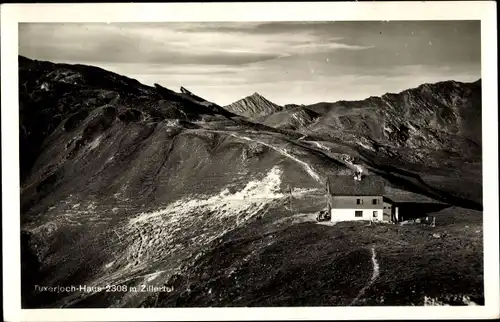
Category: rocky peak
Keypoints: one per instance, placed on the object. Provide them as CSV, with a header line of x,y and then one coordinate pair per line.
x,y
256,95
254,105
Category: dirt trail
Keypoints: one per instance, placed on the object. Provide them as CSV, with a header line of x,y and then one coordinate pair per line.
x,y
375,275
305,165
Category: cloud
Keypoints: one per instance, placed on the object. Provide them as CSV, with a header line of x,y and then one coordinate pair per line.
x,y
169,43
263,28
316,48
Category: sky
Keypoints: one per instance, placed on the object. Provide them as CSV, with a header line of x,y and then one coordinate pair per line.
x,y
287,62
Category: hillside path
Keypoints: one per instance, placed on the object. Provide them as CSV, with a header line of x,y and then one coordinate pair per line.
x,y
304,164
375,275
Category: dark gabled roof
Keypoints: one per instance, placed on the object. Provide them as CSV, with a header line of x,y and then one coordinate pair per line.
x,y
344,185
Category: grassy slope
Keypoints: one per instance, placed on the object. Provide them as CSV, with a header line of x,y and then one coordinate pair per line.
x,y
276,263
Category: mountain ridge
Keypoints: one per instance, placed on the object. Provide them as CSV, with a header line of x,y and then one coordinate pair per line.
x,y
427,117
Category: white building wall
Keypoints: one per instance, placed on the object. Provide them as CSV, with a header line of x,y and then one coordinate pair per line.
x,y
348,214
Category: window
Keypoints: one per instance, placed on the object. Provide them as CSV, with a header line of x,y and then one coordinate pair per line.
x,y
359,201
374,201
375,213
358,213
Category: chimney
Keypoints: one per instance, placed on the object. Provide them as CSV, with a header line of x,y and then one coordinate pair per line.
x,y
358,173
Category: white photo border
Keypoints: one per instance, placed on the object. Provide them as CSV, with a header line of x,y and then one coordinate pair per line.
x,y
12,14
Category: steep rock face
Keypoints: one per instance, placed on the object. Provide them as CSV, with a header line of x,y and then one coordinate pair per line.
x,y
49,93
71,96
253,106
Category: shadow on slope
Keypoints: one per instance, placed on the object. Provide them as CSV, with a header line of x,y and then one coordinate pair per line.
x,y
413,182
414,210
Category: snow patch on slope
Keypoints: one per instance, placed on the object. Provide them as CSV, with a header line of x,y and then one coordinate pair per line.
x,y
225,203
95,143
183,225
164,237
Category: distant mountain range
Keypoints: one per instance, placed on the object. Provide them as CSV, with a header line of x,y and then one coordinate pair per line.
x,y
430,116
